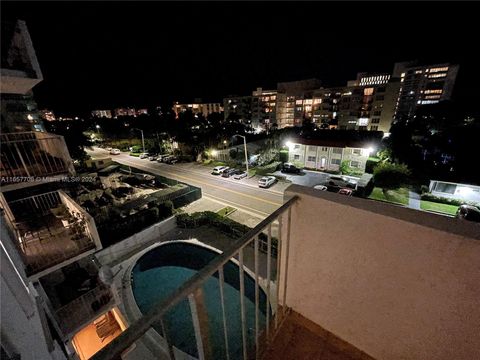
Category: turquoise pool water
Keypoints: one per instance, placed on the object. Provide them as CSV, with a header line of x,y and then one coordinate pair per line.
x,y
162,270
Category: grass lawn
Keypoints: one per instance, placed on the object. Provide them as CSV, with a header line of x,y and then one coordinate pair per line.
x,y
226,211
437,207
399,196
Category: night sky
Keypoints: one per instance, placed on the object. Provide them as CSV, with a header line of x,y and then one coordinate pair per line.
x,y
103,55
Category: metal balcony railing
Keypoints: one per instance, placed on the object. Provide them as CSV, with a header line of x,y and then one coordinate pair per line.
x,y
32,154
83,309
192,291
48,229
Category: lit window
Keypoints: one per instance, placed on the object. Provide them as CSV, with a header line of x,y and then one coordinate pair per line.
x,y
433,91
368,91
439,69
317,101
433,76
299,102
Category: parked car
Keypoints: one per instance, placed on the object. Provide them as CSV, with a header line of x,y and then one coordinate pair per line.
x,y
152,157
267,181
171,160
218,170
468,212
143,155
290,168
320,187
341,181
345,191
239,174
229,172
166,158
115,152
161,157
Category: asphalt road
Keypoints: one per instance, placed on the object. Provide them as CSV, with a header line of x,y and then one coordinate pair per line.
x,y
243,194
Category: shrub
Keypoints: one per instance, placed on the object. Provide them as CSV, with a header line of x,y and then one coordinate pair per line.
x,y
389,176
283,155
268,169
447,201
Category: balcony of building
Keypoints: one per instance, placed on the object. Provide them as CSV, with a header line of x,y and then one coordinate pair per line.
x,y
355,279
20,70
48,231
75,295
28,158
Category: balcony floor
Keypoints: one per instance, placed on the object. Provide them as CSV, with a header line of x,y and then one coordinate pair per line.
x,y
299,338
50,245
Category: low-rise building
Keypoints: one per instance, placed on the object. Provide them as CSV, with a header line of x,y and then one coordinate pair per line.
x,y
328,154
198,107
456,191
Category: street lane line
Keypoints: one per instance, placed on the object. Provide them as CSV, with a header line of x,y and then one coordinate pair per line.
x,y
211,185
243,208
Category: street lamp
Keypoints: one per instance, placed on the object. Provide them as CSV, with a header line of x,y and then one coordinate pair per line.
x,y
245,147
98,128
143,141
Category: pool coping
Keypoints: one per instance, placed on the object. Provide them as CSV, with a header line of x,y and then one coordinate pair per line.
x,y
152,339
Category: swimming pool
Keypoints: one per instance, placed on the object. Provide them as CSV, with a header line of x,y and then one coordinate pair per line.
x,y
163,269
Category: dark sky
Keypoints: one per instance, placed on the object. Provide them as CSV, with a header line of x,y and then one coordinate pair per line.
x,y
102,55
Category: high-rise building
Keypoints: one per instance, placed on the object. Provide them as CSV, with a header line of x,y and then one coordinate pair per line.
x,y
263,109
422,85
294,101
326,107
238,108
367,103
198,108
20,73
46,237
102,114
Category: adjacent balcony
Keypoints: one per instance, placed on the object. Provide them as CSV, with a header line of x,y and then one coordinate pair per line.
x,y
29,157
49,231
75,295
355,279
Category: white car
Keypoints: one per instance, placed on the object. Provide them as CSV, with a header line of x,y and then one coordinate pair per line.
x,y
267,181
320,187
238,175
143,155
218,170
115,152
341,181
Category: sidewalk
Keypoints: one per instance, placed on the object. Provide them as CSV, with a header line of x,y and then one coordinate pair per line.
x,y
413,200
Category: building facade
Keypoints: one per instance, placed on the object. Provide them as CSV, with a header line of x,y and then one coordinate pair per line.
x,y
198,108
328,155
295,102
102,114
264,104
238,108
422,85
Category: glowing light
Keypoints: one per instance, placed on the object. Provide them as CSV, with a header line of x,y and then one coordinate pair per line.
x,y
214,152
289,144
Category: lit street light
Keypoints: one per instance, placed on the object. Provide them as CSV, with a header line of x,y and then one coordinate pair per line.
x,y
98,128
245,147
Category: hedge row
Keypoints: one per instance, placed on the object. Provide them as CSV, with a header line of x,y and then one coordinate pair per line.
x,y
224,224
443,200
268,169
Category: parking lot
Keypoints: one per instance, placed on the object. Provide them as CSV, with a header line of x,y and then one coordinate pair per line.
x,y
308,178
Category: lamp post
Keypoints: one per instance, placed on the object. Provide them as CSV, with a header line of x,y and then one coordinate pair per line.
x,y
143,141
245,148
98,128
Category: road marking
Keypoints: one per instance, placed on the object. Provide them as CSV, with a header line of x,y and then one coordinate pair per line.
x,y
211,185
244,208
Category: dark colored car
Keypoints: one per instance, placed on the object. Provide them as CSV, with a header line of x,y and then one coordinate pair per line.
x,y
229,172
172,160
468,212
290,168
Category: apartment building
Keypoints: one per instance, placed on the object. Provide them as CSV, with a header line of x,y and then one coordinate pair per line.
x,y
294,102
326,107
329,154
124,112
238,108
422,85
50,287
102,114
198,107
264,104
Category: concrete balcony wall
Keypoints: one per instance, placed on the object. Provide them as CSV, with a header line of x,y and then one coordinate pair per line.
x,y
394,282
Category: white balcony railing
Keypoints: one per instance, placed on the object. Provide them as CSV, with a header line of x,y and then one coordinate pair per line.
x,y
33,154
274,285
49,229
